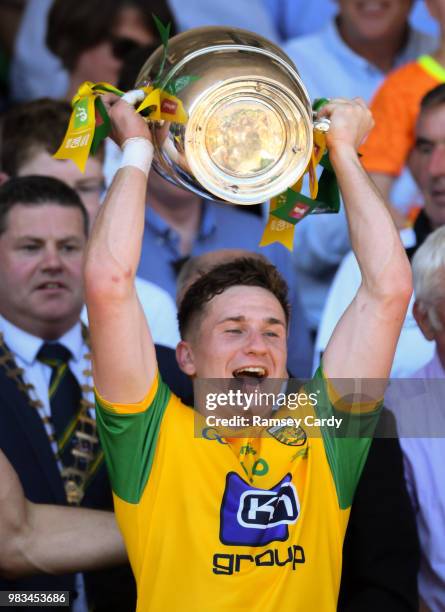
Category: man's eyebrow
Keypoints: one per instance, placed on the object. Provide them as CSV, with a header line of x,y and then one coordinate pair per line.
x,y
421,140
29,238
234,319
70,238
274,321
242,319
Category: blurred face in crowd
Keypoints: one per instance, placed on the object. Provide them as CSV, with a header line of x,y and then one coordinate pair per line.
x,y
167,194
431,332
41,253
369,20
437,10
89,184
104,61
427,162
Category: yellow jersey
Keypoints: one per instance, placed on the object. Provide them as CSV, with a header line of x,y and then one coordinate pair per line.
x,y
225,525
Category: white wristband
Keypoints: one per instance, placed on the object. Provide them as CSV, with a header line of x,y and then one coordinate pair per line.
x,y
133,96
137,152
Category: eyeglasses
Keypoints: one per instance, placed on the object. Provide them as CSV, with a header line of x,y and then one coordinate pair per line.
x,y
122,47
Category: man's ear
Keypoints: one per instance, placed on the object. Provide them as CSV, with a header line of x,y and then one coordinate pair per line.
x,y
423,321
185,358
3,177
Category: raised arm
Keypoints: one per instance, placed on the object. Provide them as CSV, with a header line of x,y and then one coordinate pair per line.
x,y
385,183
364,340
37,538
124,360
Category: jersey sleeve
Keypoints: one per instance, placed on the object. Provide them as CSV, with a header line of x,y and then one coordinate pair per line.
x,y
347,447
128,435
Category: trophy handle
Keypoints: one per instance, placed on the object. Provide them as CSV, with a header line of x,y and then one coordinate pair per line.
x,y
322,125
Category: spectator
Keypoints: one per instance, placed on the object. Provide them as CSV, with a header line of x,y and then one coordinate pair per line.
x,y
395,108
277,20
43,234
349,57
43,231
89,39
31,133
427,165
352,53
424,444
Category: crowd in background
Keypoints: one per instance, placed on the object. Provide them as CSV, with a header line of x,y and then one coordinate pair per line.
x,y
391,53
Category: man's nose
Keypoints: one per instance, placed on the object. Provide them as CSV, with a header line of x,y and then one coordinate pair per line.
x,y
52,259
256,343
437,161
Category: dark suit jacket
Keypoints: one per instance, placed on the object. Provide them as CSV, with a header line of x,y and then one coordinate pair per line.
x,y
381,548
25,443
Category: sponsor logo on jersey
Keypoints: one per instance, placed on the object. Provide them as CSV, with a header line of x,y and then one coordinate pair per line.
x,y
256,517
228,564
291,436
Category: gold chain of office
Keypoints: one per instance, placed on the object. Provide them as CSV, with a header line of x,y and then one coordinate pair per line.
x,y
87,455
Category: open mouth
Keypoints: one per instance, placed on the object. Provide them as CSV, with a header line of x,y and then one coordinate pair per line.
x,y
250,372
51,285
373,5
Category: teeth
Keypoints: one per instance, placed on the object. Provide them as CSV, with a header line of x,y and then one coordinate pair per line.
x,y
257,371
51,285
372,6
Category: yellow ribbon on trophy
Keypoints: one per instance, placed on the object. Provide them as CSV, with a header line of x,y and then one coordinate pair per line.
x,y
279,230
289,207
89,122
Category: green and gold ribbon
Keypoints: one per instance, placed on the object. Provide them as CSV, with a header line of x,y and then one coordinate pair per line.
x,y
290,207
89,123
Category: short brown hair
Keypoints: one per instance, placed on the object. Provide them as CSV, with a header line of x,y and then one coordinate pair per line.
x,y
75,26
31,127
33,191
433,98
248,271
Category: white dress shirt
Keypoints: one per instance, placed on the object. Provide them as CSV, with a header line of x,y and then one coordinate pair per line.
x,y
25,348
412,351
418,405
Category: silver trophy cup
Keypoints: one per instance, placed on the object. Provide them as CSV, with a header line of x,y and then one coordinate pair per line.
x,y
248,136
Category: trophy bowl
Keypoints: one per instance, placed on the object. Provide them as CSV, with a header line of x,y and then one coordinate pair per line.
x,y
248,136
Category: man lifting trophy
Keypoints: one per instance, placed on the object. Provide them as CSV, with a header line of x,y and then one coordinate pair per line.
x,y
223,112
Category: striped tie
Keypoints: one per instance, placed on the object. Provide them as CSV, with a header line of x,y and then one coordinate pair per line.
x,y
64,395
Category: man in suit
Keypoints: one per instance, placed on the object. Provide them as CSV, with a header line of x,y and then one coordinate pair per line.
x,y
47,427
30,133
